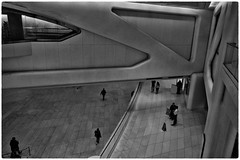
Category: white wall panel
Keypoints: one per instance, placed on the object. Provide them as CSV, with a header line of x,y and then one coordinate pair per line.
x,y
214,66
184,49
87,54
97,52
10,65
77,39
99,40
99,55
64,56
52,56
132,21
133,55
167,29
109,41
23,66
185,30
87,37
166,26
120,54
76,56
23,49
92,20
16,50
8,51
110,54
38,56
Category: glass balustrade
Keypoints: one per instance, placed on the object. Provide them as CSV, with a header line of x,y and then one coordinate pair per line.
x,y
231,59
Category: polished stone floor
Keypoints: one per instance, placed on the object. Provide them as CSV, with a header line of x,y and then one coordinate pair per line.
x,y
143,137
59,122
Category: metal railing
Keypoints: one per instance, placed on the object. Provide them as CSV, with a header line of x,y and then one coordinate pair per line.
x,y
116,135
25,153
231,59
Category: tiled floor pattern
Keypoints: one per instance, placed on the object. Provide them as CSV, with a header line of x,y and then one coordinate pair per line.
x,y
59,122
142,137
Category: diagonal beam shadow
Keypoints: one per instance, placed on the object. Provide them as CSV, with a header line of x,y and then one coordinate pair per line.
x,y
131,17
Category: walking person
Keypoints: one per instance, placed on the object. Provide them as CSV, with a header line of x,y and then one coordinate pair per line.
x,y
172,108
97,135
14,146
157,87
179,87
103,93
175,113
153,86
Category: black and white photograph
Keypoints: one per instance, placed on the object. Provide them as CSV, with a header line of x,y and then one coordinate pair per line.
x,y
119,79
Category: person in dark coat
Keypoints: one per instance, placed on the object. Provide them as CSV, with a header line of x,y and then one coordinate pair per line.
x,y
103,93
172,108
132,93
179,87
175,113
97,135
153,86
157,87
14,146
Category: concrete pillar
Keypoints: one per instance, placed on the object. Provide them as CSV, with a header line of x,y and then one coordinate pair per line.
x,y
197,94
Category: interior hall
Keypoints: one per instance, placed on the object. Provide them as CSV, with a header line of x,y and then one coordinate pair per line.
x,y
124,79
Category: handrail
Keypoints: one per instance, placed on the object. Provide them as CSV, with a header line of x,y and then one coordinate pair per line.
x,y
233,45
29,152
112,142
203,144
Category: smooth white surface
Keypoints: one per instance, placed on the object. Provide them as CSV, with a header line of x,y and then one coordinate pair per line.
x,y
96,19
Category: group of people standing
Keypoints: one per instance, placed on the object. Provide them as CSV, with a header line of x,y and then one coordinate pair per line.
x,y
155,85
172,112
